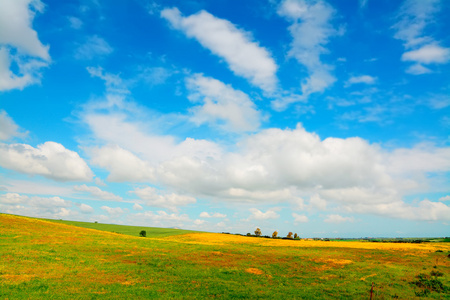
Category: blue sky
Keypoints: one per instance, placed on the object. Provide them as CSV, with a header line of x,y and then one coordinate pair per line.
x,y
325,118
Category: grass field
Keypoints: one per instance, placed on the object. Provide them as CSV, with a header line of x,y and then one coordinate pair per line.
x,y
49,260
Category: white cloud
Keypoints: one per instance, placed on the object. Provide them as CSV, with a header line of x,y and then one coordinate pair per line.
x,y
86,209
299,218
311,30
439,101
418,69
121,164
160,218
212,215
424,211
366,79
413,17
114,84
94,46
446,198
97,192
18,34
172,201
259,215
43,207
50,160
75,23
338,219
199,222
244,57
115,211
137,207
428,54
8,128
17,31
221,103
273,165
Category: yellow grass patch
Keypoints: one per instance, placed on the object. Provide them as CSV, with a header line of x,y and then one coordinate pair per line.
x,y
223,239
254,271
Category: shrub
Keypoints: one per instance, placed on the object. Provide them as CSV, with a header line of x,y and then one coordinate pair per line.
x,y
258,232
275,234
143,233
429,284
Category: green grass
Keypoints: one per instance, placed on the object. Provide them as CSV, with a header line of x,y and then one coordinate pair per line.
x,y
50,260
125,229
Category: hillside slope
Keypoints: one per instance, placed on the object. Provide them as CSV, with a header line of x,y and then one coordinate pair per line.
x,y
42,260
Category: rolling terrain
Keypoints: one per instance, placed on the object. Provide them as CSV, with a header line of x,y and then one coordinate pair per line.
x,y
42,259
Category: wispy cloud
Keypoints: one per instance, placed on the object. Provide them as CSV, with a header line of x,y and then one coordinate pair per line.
x,y
97,192
94,46
413,18
311,31
245,57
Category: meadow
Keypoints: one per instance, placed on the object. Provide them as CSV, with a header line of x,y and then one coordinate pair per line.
x,y
41,259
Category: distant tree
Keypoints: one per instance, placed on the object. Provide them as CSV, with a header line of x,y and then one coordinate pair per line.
x,y
143,233
295,236
275,234
258,232
289,236
249,234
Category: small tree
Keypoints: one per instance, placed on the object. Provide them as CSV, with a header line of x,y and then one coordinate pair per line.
x,y
143,233
275,234
295,236
289,236
258,232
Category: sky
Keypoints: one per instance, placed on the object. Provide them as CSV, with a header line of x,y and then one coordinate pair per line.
x,y
324,118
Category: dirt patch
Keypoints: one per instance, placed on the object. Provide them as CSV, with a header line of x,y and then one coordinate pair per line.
x,y
254,271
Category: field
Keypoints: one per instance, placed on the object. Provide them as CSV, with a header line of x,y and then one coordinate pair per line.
x,y
50,260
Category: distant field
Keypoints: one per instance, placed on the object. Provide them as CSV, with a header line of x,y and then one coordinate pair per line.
x,y
125,229
50,260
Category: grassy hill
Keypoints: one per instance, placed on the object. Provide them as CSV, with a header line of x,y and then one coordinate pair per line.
x,y
49,260
125,229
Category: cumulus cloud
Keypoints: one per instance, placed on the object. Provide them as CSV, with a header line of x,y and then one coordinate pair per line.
x,y
413,18
428,54
97,192
220,103
172,201
50,160
243,56
299,218
8,128
311,30
86,209
53,207
160,218
273,165
121,164
212,215
137,207
338,219
115,211
366,79
17,33
94,46
259,215
446,198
